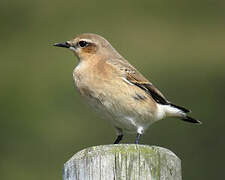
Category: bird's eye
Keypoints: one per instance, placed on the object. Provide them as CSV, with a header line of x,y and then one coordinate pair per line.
x,y
83,43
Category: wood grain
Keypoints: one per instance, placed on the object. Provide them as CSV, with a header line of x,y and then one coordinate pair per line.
x,y
123,162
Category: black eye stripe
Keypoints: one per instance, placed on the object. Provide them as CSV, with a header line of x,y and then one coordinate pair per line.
x,y
83,43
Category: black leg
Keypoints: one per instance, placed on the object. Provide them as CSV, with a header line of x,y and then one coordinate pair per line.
x,y
118,139
137,138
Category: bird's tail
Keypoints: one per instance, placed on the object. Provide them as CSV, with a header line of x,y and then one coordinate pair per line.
x,y
190,119
172,110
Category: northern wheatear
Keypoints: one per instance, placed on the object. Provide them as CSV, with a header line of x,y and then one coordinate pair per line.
x,y
116,89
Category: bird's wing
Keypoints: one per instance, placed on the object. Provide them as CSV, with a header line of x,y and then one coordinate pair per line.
x,y
136,78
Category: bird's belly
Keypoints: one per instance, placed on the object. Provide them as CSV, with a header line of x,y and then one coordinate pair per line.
x,y
128,115
127,120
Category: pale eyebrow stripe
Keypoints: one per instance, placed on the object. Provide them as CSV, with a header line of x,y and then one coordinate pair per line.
x,y
87,40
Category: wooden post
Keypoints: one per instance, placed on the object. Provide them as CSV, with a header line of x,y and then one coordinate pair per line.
x,y
123,162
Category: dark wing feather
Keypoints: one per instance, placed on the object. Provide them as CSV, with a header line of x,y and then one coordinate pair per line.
x,y
156,96
150,89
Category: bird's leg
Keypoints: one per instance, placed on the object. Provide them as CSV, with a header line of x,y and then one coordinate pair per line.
x,y
119,135
140,131
118,139
137,138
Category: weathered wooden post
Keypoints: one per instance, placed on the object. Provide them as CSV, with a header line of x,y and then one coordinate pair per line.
x,y
123,162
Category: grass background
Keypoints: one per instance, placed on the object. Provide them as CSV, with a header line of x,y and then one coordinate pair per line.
x,y
178,45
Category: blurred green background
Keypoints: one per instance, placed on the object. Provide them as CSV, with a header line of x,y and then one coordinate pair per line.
x,y
178,45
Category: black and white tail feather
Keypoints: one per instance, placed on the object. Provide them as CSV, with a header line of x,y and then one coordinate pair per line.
x,y
183,114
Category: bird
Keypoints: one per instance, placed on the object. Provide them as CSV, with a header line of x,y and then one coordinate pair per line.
x,y
116,89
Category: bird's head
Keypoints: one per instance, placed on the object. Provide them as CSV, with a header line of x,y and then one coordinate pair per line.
x,y
86,46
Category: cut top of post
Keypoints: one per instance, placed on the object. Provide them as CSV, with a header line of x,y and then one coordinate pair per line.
x,y
123,161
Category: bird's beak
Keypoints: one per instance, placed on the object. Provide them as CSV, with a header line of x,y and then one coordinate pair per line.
x,y
65,45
